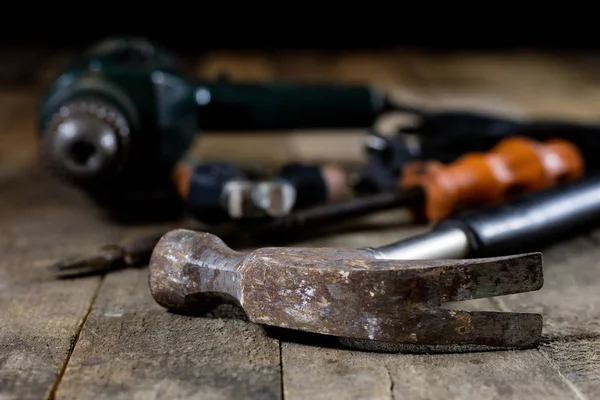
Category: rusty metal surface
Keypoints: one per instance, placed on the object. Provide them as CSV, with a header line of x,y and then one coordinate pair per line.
x,y
346,293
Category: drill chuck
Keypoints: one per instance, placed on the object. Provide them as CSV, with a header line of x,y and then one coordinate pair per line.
x,y
86,141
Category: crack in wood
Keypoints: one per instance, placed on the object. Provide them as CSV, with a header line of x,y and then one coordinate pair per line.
x,y
52,392
281,370
567,381
391,378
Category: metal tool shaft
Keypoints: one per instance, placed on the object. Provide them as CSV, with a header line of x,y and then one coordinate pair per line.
x,y
317,217
138,252
524,224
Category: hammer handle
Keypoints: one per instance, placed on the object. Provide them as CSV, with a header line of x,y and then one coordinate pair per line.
x,y
533,220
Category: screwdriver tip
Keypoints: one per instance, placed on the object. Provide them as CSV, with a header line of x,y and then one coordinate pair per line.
x,y
106,258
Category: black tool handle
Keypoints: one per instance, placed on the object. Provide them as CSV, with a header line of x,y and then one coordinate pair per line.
x,y
533,221
258,106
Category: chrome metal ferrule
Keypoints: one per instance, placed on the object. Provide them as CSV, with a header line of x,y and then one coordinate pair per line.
x,y
440,244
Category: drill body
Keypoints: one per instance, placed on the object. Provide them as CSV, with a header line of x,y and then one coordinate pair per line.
x,y
117,120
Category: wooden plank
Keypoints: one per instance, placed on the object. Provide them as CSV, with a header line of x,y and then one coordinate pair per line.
x,y
40,316
41,220
322,373
381,69
567,302
131,347
579,362
39,326
38,230
493,375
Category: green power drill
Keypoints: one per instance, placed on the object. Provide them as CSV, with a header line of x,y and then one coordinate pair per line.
x,y
120,116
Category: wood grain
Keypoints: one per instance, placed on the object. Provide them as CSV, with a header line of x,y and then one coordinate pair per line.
x,y
322,373
40,222
317,373
131,347
568,302
39,327
495,375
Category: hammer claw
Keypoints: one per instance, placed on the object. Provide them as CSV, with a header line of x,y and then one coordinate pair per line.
x,y
437,326
435,282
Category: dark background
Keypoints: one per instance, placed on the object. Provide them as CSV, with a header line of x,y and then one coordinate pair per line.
x,y
330,42
213,31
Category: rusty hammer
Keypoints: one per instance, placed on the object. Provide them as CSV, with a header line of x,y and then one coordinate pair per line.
x,y
393,293
347,293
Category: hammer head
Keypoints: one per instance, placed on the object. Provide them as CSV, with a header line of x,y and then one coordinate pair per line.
x,y
347,293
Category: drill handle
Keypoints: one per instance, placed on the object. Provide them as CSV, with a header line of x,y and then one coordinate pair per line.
x,y
228,106
532,220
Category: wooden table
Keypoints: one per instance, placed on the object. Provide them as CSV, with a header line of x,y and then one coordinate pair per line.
x,y
105,337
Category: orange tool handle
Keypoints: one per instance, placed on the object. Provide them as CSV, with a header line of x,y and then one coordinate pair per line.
x,y
516,165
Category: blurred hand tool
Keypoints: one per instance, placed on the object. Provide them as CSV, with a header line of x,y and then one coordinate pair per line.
x,y
386,158
392,293
526,223
513,166
126,108
136,253
516,166
219,191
